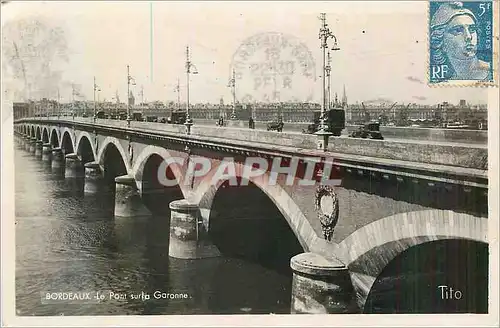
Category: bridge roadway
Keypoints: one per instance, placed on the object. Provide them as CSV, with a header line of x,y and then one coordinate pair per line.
x,y
389,132
395,194
397,134
479,137
422,154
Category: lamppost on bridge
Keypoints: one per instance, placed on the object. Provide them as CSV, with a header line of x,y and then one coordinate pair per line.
x,y
178,91
96,88
189,66
328,69
73,101
142,95
129,79
324,35
232,85
58,104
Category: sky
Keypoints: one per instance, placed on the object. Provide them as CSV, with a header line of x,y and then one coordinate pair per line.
x,y
50,46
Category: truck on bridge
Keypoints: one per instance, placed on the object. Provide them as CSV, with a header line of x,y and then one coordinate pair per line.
x,y
335,120
177,117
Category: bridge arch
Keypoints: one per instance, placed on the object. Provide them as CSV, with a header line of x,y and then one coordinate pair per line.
x,y
140,163
112,161
116,143
54,138
85,147
371,248
67,142
305,234
38,134
32,131
45,135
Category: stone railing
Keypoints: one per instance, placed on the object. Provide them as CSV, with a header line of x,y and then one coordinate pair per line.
x,y
473,156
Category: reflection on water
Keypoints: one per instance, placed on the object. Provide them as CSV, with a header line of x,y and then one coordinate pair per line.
x,y
68,241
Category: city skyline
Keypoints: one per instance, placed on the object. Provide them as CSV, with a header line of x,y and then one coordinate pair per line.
x,y
375,61
372,104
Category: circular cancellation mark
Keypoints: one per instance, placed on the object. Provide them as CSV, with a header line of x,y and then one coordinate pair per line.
x,y
273,67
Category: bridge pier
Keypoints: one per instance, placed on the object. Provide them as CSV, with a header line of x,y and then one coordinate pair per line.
x,y
46,152
188,239
30,145
93,178
57,158
320,285
27,141
73,166
128,202
38,148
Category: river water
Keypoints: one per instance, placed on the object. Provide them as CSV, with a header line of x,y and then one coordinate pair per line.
x,y
70,242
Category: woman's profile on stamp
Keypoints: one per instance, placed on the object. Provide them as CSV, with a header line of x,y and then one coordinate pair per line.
x,y
454,44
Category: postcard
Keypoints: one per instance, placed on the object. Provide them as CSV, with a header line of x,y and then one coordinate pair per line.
x,y
250,163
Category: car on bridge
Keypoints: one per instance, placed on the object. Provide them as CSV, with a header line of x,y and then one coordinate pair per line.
x,y
137,116
275,125
151,118
101,114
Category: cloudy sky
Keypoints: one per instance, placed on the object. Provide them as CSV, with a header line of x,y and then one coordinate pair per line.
x,y
54,45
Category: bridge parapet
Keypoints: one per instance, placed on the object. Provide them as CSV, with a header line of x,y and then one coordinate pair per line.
x,y
408,152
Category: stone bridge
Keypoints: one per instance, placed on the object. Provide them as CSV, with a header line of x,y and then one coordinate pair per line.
x,y
393,195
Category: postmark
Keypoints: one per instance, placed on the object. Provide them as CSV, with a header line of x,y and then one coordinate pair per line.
x,y
461,43
273,67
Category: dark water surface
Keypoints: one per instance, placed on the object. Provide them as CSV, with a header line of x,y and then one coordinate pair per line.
x,y
70,242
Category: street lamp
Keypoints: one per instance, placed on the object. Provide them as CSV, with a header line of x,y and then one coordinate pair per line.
x,y
73,101
129,80
96,88
324,35
328,69
190,68
178,91
232,84
58,104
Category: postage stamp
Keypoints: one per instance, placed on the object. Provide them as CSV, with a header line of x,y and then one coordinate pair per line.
x,y
273,67
461,43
